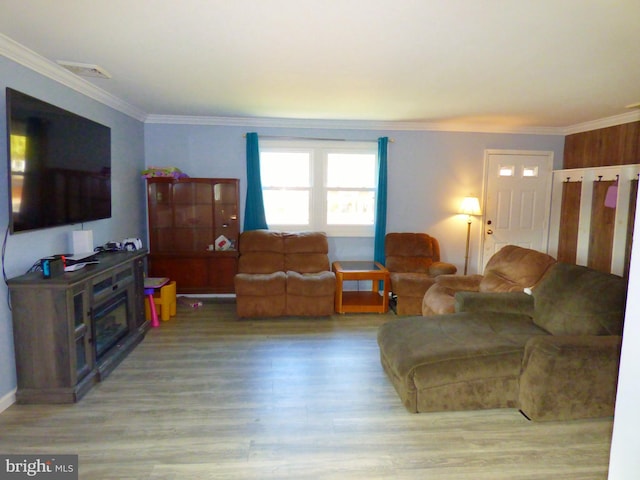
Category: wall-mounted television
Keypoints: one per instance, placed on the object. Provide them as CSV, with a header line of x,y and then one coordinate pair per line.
x,y
59,165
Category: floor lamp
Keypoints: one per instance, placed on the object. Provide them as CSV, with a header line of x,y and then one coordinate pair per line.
x,y
470,206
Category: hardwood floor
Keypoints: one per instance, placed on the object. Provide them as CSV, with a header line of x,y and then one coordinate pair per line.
x,y
208,396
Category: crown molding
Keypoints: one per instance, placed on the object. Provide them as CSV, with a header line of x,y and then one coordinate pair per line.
x,y
623,118
30,59
347,124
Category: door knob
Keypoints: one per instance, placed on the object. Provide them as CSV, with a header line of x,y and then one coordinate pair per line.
x,y
489,231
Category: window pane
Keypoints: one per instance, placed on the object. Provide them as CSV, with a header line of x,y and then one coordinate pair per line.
x,y
350,208
286,207
507,171
351,170
285,169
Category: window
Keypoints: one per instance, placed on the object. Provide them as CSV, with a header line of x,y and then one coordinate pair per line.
x,y
319,185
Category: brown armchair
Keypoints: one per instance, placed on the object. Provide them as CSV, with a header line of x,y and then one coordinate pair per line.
x,y
511,269
413,261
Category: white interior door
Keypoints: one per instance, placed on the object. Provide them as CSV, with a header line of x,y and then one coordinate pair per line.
x,y
517,200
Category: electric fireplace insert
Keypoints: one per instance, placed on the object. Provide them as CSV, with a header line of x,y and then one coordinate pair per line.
x,y
110,323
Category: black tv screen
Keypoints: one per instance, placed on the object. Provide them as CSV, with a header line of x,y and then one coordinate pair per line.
x,y
59,165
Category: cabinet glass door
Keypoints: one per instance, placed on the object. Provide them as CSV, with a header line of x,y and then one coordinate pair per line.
x,y
193,216
161,216
83,352
226,212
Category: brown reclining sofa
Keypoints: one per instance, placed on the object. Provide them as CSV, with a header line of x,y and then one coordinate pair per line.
x,y
282,273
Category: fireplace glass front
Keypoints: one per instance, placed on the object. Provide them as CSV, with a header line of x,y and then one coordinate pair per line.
x,y
110,323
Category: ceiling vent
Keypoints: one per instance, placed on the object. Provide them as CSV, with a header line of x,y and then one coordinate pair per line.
x,y
85,69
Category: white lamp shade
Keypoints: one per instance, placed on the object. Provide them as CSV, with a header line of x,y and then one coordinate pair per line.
x,y
470,206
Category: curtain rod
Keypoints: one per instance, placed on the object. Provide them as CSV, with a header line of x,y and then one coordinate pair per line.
x,y
284,137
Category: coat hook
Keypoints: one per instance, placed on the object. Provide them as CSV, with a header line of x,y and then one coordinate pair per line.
x,y
599,178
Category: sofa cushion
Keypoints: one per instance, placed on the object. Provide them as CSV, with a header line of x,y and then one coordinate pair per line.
x,y
260,284
261,251
305,242
438,300
306,252
513,268
576,300
261,262
306,262
310,294
411,284
410,252
311,284
261,241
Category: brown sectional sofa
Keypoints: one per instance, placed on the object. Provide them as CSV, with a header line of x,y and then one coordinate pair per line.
x,y
281,273
553,354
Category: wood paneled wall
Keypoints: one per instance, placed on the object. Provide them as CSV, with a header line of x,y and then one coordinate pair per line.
x,y
569,221
601,231
617,145
611,146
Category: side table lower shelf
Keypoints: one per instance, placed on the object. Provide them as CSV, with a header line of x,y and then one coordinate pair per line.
x,y
362,302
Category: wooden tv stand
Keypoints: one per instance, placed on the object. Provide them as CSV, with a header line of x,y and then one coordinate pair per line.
x,y
72,330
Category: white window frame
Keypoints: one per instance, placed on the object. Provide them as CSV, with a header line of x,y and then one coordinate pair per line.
x,y
318,154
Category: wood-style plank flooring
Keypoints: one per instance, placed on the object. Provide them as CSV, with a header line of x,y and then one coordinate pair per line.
x,y
208,396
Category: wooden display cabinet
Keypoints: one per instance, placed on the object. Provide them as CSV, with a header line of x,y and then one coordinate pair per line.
x,y
186,217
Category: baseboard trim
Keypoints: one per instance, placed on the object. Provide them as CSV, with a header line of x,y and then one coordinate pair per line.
x,y
8,400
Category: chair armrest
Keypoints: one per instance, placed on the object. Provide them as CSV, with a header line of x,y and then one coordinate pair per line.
x,y
442,268
502,302
469,283
569,377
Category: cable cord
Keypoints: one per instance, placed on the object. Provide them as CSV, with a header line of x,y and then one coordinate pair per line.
x,y
4,273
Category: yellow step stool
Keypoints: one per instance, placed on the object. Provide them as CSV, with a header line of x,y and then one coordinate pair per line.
x,y
165,300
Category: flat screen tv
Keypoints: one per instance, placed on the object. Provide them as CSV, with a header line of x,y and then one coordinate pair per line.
x,y
59,165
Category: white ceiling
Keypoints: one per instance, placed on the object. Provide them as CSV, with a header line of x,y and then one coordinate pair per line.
x,y
515,63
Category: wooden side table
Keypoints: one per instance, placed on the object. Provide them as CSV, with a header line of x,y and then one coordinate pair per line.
x,y
370,301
